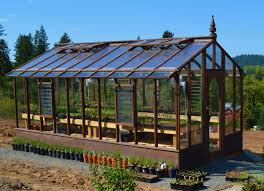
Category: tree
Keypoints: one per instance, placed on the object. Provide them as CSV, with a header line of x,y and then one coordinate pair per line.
x,y
167,34
2,30
5,63
40,41
65,38
24,49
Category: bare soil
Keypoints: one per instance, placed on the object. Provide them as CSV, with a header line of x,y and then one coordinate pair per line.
x,y
253,141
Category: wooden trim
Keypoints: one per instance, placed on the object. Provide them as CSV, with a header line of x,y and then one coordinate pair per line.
x,y
68,106
134,111
99,109
234,97
177,111
189,106
213,57
27,102
155,114
115,97
53,105
15,101
40,106
83,106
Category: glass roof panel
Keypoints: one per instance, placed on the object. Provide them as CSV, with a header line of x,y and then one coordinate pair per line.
x,y
135,62
139,74
120,60
184,55
39,59
26,74
40,74
117,52
68,74
53,74
101,74
84,74
15,73
93,57
158,59
119,74
74,61
160,75
48,61
60,61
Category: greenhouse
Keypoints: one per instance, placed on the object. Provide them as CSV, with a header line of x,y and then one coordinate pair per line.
x,y
167,99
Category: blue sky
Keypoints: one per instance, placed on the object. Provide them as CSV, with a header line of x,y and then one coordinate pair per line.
x,y
240,25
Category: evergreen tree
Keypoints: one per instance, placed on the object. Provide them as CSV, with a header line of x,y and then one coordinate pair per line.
x,y
24,49
65,38
5,63
40,41
2,30
167,34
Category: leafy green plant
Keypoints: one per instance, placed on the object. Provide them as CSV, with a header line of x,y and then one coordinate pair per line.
x,y
109,178
253,185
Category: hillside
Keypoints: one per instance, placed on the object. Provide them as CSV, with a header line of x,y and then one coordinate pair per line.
x,y
249,59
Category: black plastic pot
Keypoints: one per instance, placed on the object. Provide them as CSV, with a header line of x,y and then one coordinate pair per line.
x,y
159,173
140,169
54,153
67,155
131,167
58,154
80,157
63,154
49,152
13,146
72,156
172,172
145,169
76,156
21,147
152,170
38,150
35,151
30,148
26,148
42,151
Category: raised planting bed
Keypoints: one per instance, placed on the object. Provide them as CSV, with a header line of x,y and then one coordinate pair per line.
x,y
236,176
149,178
186,184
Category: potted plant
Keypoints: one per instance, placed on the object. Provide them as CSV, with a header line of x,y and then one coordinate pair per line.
x,y
140,165
81,156
132,162
63,155
104,159
26,147
125,162
109,159
164,169
90,157
85,156
171,169
72,155
159,171
99,158
67,154
116,156
145,168
152,169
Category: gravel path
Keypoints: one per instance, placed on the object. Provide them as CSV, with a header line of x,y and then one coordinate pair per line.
x,y
216,169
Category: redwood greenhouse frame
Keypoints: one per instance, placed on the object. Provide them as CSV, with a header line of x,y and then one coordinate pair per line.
x,y
177,99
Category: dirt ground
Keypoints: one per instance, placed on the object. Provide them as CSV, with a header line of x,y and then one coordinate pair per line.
x,y
253,141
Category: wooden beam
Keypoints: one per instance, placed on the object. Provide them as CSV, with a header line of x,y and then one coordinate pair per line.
x,y
99,109
189,106
177,111
39,101
68,106
15,101
116,108
83,106
27,102
155,113
53,105
134,110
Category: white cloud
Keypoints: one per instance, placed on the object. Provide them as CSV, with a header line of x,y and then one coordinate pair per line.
x,y
3,20
76,29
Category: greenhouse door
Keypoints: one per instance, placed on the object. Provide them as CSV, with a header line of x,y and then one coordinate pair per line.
x,y
215,111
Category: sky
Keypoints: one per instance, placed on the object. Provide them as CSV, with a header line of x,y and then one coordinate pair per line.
x,y
239,23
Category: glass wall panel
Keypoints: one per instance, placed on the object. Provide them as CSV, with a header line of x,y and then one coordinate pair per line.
x,y
145,109
108,108
196,104
21,103
34,103
183,109
166,113
228,96
238,101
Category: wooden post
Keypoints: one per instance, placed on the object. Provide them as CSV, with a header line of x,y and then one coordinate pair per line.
x,y
15,101
177,112
234,98
68,106
223,84
155,114
99,109
189,106
40,106
83,106
53,105
134,110
116,108
27,102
